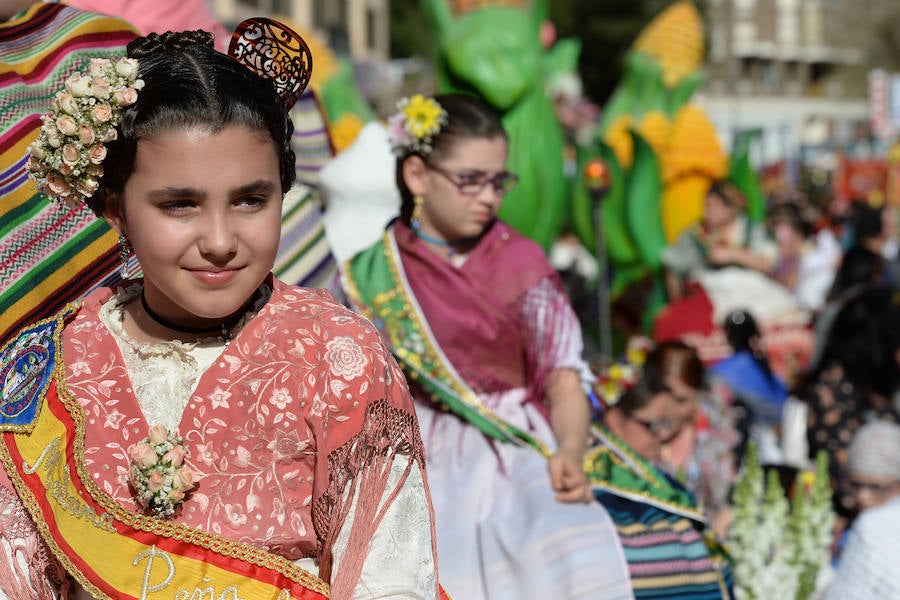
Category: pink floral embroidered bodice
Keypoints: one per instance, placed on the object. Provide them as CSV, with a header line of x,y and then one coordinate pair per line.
x,y
288,391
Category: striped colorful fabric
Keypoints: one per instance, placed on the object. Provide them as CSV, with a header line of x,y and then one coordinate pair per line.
x,y
48,255
666,553
304,257
669,551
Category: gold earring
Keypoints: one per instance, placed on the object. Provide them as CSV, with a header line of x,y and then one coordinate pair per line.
x,y
416,217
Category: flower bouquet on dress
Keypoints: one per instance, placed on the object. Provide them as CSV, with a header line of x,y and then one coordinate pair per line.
x,y
158,473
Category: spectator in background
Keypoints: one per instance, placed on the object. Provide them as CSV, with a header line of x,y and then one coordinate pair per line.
x,y
862,262
757,392
854,380
662,529
724,237
868,562
891,249
805,264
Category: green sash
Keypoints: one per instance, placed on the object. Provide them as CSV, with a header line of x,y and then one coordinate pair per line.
x,y
377,286
615,468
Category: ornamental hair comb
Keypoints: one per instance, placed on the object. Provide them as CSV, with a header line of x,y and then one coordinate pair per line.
x,y
274,51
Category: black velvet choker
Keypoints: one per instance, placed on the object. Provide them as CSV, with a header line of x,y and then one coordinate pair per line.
x,y
222,329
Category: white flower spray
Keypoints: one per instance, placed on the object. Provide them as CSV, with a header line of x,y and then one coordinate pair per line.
x,y
779,546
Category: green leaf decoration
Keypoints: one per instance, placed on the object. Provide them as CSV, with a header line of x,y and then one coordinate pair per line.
x,y
742,175
642,204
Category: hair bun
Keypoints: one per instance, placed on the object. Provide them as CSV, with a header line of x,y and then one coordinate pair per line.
x,y
170,41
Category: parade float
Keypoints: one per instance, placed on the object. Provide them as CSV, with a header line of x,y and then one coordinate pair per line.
x,y
663,153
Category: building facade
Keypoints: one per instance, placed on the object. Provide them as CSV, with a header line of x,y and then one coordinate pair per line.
x,y
793,69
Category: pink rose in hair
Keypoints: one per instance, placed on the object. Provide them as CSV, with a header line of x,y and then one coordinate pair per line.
x,y
71,155
98,153
57,184
125,96
98,66
100,88
53,136
86,135
78,85
88,186
155,482
176,496
101,113
175,456
66,169
127,67
37,151
67,125
66,103
143,455
158,434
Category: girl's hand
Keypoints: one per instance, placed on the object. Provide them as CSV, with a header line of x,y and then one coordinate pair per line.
x,y
568,478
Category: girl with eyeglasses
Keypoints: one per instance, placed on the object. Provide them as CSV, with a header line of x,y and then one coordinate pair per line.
x,y
665,535
492,349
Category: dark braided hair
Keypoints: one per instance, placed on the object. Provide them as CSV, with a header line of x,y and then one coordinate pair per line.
x,y
187,83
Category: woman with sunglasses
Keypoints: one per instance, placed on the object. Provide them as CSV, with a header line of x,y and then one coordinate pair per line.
x,y
664,534
492,349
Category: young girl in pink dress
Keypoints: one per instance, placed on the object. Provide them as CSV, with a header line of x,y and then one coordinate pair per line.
x,y
207,430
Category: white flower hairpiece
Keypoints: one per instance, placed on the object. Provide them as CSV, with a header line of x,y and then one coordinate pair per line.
x,y
158,474
417,121
67,157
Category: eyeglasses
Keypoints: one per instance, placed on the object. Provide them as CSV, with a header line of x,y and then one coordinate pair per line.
x,y
657,427
876,489
471,184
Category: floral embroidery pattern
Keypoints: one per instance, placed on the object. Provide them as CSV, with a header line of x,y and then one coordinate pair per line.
x,y
345,358
256,423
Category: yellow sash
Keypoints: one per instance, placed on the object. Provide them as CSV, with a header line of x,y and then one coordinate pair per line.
x,y
110,551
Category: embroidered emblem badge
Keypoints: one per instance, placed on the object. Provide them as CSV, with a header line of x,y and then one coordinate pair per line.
x,y
25,369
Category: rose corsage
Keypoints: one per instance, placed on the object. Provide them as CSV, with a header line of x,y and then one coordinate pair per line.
x,y
158,473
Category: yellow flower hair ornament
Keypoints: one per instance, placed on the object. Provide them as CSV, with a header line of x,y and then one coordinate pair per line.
x,y
614,379
67,157
415,124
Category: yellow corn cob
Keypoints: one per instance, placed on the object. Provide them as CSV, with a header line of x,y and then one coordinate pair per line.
x,y
693,147
619,140
675,39
682,203
656,127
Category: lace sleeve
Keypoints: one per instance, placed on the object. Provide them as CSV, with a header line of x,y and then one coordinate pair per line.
x,y
554,331
27,570
400,562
